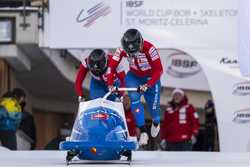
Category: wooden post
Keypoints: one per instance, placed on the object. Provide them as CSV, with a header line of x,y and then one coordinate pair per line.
x,y
4,77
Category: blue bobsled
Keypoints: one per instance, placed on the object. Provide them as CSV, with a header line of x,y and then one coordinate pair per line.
x,y
100,132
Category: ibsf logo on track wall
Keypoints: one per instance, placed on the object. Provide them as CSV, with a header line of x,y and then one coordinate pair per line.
x,y
89,15
242,116
182,65
241,89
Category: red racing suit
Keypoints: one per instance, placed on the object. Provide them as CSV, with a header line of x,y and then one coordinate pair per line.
x,y
146,63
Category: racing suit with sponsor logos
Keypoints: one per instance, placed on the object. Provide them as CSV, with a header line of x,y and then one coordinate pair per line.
x,y
144,68
98,84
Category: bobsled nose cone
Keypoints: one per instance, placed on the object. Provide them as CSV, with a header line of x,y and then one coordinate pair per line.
x,y
93,150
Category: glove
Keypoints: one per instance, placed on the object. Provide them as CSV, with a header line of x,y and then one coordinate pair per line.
x,y
112,88
193,139
163,144
121,99
80,99
143,88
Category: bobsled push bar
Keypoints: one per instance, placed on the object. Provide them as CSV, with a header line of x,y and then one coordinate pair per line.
x,y
119,90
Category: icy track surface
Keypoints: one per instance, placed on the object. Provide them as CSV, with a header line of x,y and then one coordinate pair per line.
x,y
140,159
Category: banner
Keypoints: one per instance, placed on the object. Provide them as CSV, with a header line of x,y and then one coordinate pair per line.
x,y
230,91
244,37
166,23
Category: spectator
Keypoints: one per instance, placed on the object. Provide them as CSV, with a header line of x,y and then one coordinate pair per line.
x,y
96,64
181,124
129,116
10,117
26,133
210,126
64,132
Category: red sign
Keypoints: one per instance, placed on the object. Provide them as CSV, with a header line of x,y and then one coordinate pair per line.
x,y
99,116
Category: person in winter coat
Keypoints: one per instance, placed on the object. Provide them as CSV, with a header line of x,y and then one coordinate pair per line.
x,y
10,116
180,125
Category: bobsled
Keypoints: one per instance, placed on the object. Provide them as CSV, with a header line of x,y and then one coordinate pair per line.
x,y
100,132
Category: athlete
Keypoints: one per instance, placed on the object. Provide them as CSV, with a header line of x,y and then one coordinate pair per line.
x,y
97,65
145,70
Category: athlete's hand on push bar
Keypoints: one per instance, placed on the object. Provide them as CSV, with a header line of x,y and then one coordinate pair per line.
x,y
143,88
113,89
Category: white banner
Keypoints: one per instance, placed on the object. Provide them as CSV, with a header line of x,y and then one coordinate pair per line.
x,y
244,37
167,23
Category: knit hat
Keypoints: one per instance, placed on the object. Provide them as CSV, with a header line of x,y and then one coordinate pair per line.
x,y
178,90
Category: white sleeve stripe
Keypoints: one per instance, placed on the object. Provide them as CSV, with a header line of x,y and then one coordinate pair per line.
x,y
196,115
154,53
120,68
116,58
84,64
117,54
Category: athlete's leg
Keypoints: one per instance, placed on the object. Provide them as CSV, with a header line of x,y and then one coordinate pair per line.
x,y
152,97
133,81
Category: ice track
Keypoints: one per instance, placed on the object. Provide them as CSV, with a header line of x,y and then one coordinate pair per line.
x,y
140,159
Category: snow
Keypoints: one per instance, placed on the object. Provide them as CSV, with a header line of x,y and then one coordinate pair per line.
x,y
140,159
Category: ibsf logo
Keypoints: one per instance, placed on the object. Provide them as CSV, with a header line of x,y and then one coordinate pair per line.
x,y
134,4
242,116
89,15
182,65
241,89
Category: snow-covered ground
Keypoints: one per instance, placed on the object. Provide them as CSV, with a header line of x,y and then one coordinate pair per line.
x,y
140,158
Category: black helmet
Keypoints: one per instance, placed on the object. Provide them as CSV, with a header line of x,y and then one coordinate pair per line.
x,y
97,62
132,41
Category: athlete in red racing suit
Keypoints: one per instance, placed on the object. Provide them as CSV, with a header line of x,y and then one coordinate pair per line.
x,y
145,70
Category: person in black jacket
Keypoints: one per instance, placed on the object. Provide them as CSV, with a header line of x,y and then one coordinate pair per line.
x,y
27,129
210,126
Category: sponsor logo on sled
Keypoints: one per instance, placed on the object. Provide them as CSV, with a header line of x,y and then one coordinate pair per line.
x,y
102,116
182,65
242,116
89,15
241,89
